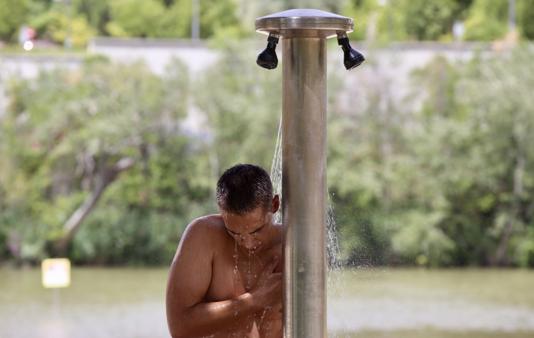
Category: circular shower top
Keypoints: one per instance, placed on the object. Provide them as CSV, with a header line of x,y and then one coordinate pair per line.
x,y
304,19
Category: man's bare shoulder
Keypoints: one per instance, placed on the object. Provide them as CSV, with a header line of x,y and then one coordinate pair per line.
x,y
201,238
207,228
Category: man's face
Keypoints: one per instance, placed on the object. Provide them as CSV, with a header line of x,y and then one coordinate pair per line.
x,y
252,229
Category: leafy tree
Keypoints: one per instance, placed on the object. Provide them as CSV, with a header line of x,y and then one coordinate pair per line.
x,y
58,27
13,14
525,10
176,22
365,143
242,108
486,20
480,179
398,20
152,19
69,134
325,5
141,18
96,12
502,127
429,20
219,18
364,13
446,184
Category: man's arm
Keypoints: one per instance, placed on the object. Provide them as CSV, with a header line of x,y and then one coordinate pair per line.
x,y
189,280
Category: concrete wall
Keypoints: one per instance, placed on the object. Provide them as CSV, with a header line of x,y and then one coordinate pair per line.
x,y
394,62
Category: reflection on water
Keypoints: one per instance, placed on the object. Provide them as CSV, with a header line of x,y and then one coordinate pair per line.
x,y
369,303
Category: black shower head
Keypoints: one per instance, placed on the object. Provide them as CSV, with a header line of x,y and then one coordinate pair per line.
x,y
267,59
351,57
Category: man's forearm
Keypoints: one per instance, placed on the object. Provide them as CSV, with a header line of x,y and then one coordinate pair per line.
x,y
212,317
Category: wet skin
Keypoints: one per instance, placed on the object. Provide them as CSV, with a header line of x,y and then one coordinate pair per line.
x,y
225,280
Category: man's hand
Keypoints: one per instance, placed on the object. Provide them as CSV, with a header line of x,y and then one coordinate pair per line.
x,y
268,290
270,322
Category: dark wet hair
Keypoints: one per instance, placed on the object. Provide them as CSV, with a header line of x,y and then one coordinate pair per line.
x,y
243,188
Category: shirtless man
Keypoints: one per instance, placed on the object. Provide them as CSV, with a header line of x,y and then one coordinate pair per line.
x,y
225,279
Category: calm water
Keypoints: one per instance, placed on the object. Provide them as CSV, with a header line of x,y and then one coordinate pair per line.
x,y
362,303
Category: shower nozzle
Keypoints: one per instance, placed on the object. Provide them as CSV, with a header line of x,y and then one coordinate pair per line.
x,y
351,57
267,59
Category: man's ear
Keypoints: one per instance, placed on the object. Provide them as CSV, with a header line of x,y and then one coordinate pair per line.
x,y
276,204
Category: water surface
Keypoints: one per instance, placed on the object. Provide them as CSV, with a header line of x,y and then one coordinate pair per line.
x,y
367,303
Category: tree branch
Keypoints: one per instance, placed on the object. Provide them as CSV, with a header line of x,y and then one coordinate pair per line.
x,y
104,179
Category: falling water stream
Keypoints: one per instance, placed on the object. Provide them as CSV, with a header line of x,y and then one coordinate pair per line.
x,y
332,247
276,170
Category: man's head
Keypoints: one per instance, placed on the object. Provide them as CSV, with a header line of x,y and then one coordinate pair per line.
x,y
245,199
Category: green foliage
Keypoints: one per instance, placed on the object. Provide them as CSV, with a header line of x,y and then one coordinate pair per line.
x,y
364,13
13,14
501,133
113,236
399,20
429,19
177,20
524,249
363,141
526,18
419,240
219,18
382,21
447,184
136,17
63,129
96,12
242,108
152,19
486,20
58,27
484,138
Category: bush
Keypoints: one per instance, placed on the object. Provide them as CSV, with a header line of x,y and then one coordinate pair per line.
x,y
58,27
114,235
139,18
420,241
524,249
13,14
487,20
429,19
526,18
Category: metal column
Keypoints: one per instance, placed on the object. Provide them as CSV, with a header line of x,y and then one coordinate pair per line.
x,y
304,185
304,34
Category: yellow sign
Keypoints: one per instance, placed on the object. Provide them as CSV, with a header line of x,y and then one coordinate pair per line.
x,y
56,272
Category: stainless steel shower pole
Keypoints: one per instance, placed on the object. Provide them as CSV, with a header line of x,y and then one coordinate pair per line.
x,y
304,184
304,34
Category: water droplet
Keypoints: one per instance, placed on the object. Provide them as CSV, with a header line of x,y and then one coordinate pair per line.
x,y
236,269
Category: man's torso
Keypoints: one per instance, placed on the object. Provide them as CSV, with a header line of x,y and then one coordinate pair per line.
x,y
236,272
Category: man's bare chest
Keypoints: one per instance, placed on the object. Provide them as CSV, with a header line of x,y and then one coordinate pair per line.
x,y
234,272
